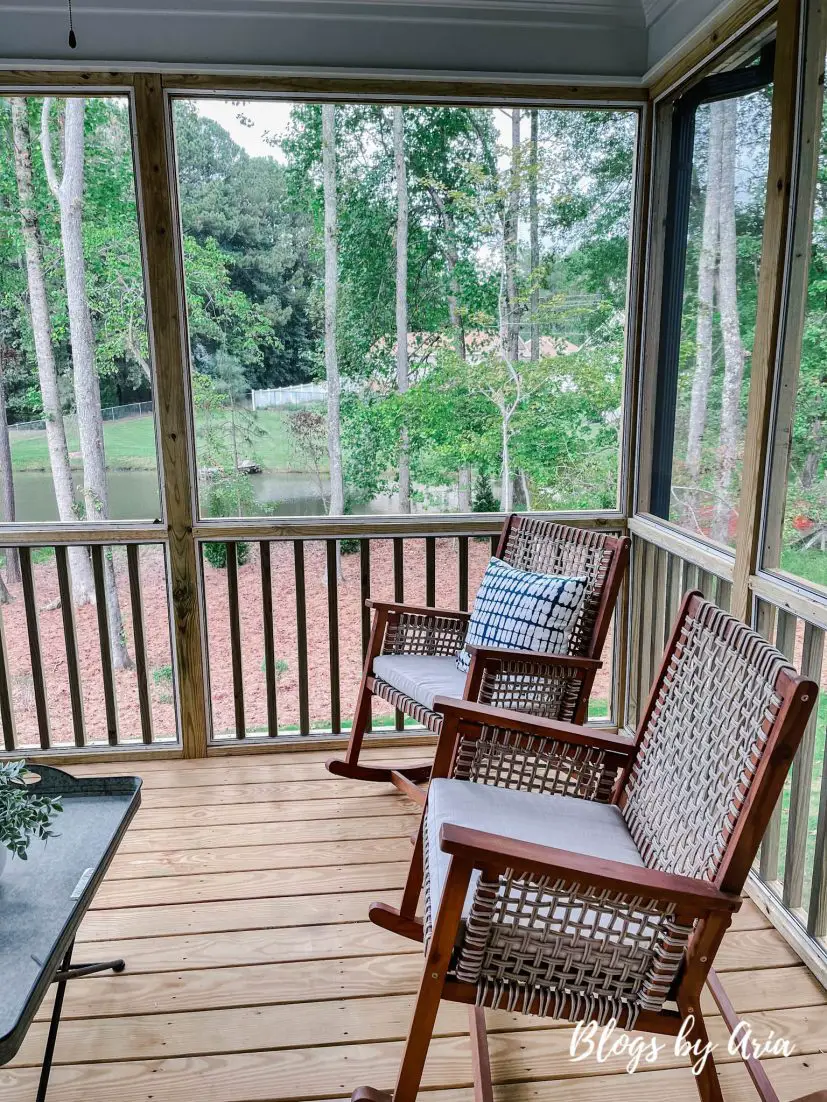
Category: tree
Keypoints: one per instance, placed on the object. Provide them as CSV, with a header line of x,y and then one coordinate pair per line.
x,y
707,268
730,327
510,307
401,176
331,298
7,474
68,191
534,233
83,587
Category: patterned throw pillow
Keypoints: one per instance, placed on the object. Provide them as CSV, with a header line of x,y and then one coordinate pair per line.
x,y
519,610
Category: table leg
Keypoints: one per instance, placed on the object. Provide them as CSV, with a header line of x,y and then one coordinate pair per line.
x,y
66,972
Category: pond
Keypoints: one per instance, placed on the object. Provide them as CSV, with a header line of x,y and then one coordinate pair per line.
x,y
134,495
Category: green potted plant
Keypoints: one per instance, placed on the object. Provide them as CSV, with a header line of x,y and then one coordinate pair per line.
x,y
23,816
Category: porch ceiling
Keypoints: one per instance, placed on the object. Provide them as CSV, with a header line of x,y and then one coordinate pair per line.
x,y
613,40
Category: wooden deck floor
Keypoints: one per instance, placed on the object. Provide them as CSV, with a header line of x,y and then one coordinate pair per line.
x,y
239,900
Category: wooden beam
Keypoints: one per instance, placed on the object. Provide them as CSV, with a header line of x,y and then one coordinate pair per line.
x,y
166,313
772,301
409,89
710,43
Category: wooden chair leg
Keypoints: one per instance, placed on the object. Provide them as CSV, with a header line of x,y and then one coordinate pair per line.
x,y
349,767
759,1077
404,920
437,960
483,1087
707,1081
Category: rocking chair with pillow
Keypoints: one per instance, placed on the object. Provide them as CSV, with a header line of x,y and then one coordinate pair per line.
x,y
534,642
585,876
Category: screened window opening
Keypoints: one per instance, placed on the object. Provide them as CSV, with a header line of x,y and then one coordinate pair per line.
x,y
715,227
404,309
77,432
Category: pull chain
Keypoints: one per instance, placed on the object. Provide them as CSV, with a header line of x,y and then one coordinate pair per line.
x,y
72,40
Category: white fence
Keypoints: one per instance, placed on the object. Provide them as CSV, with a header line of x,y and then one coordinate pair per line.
x,y
299,395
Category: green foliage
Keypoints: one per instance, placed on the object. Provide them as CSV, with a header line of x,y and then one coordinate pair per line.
x,y
162,675
23,816
216,554
484,500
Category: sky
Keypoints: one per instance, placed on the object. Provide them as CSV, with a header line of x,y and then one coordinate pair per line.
x,y
266,117
270,117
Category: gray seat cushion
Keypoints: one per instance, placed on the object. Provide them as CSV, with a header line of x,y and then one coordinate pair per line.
x,y
421,676
563,822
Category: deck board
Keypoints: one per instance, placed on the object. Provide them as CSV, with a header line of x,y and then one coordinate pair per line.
x,y
254,975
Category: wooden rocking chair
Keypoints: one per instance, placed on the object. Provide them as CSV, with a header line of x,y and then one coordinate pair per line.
x,y
581,875
411,655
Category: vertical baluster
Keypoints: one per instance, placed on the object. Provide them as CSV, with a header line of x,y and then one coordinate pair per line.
x,y
705,584
658,597
364,584
635,626
235,641
648,552
399,595
301,637
430,571
495,543
771,843
333,637
133,562
817,912
673,595
765,624
67,609
267,625
462,573
691,577
110,702
35,654
802,781
723,598
6,706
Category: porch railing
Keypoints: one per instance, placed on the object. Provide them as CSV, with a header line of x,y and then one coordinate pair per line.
x,y
65,683
789,879
287,620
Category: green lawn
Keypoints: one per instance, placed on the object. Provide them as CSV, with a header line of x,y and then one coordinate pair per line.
x,y
809,565
130,445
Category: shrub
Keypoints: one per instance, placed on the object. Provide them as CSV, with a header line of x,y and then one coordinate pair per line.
x,y
216,554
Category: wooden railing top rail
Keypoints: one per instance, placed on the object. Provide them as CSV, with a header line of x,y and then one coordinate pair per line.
x,y
386,526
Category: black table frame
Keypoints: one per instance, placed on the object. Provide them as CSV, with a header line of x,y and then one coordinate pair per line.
x,y
67,971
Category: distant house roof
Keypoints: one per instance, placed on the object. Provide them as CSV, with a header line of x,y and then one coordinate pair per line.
x,y
422,347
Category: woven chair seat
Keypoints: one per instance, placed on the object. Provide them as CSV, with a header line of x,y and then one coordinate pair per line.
x,y
564,822
422,677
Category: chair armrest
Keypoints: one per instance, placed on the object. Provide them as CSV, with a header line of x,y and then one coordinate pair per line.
x,y
503,654
417,610
495,853
556,729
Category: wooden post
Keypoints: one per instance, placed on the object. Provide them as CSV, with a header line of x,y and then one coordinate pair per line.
x,y
772,298
166,315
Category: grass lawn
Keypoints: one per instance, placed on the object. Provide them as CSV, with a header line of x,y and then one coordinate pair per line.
x,y
809,565
130,445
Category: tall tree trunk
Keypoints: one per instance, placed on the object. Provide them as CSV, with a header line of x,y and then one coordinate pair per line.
x,y
402,298
69,194
730,330
446,215
534,234
83,588
7,474
331,304
707,264
511,230
506,491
